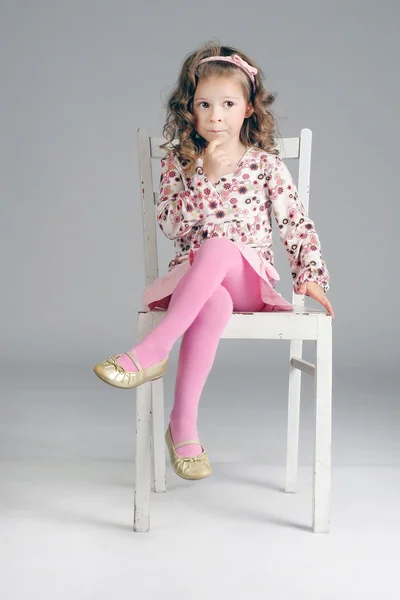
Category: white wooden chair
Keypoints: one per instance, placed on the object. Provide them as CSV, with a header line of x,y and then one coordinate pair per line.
x,y
301,324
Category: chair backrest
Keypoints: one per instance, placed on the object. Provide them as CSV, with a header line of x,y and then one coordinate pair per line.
x,y
149,148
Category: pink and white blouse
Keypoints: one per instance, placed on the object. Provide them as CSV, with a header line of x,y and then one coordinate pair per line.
x,y
191,209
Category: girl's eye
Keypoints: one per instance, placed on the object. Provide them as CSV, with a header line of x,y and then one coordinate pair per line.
x,y
206,105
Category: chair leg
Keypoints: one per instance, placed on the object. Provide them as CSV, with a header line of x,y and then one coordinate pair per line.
x,y
141,519
323,427
292,450
143,458
158,446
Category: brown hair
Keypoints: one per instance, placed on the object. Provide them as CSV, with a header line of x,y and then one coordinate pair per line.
x,y
257,130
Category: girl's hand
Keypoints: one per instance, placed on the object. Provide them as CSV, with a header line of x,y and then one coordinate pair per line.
x,y
315,291
216,163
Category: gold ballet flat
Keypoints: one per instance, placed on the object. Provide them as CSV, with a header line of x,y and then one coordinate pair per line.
x,y
196,467
112,373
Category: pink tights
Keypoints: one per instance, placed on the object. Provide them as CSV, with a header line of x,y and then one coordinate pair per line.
x,y
219,282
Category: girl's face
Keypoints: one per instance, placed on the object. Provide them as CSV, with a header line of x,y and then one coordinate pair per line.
x,y
220,107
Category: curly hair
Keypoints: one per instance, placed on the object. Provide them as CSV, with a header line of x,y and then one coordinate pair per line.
x,y
258,130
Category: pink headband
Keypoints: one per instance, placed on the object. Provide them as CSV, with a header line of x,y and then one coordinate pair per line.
x,y
235,59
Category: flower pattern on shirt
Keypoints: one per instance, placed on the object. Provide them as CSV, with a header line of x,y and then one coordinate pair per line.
x,y
191,209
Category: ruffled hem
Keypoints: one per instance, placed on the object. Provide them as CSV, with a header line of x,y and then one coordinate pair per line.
x,y
157,295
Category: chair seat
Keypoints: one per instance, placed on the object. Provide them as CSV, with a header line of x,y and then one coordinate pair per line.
x,y
304,310
301,323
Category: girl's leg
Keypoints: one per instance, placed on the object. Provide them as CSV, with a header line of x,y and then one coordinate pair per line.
x,y
196,357
214,264
240,291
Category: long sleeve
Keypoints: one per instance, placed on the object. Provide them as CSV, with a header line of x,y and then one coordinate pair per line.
x,y
184,201
296,230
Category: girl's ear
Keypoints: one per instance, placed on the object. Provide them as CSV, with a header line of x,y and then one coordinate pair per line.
x,y
249,111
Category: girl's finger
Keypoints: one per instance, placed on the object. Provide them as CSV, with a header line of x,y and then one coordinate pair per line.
x,y
330,308
212,145
325,302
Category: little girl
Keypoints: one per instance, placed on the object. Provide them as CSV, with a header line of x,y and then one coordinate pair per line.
x,y
219,186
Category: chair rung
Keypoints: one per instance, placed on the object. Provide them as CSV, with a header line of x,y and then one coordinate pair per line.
x,y
303,365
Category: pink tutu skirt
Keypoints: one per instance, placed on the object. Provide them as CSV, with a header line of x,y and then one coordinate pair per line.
x,y
158,294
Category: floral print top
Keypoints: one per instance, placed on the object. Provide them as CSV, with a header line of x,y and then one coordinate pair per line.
x,y
191,209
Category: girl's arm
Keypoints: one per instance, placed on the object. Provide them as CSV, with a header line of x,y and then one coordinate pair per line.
x,y
296,230
184,202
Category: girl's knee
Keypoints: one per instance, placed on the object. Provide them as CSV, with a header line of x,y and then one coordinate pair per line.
x,y
219,307
222,300
220,250
218,243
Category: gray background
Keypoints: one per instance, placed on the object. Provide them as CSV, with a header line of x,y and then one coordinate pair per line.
x,y
77,80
